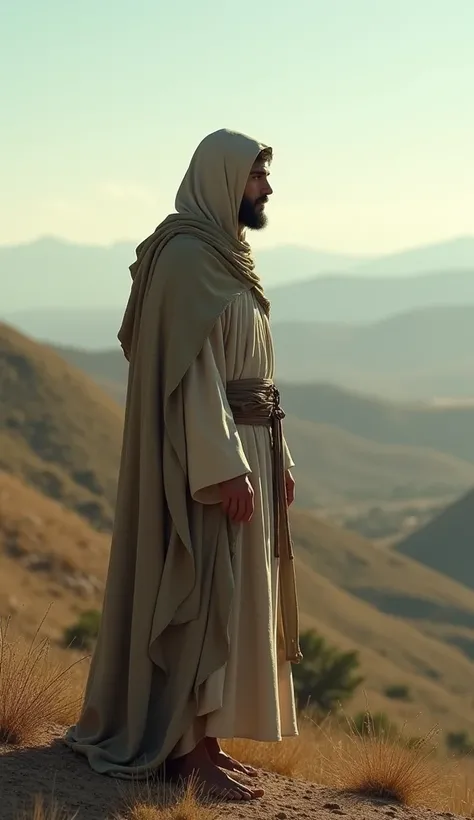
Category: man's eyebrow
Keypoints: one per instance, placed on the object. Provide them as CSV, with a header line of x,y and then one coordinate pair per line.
x,y
260,169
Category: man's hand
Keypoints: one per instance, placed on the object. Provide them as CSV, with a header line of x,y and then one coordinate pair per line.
x,y
238,499
290,488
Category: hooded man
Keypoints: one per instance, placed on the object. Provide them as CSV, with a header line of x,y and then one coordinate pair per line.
x,y
200,618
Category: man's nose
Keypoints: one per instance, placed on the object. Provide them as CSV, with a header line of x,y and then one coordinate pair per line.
x,y
268,189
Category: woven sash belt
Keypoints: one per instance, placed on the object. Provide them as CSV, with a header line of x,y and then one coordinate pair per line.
x,y
256,403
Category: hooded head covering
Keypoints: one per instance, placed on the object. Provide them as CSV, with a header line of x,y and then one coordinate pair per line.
x,y
170,578
207,210
215,182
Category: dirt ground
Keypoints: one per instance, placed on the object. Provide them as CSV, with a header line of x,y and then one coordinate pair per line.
x,y
56,772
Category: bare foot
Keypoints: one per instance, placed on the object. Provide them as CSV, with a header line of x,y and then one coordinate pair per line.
x,y
224,761
211,781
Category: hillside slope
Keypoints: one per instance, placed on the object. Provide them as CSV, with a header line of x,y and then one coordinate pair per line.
x,y
58,430
447,429
48,555
446,542
50,558
417,354
351,298
332,464
373,288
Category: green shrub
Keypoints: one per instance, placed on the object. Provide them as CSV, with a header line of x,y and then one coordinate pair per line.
x,y
398,691
375,725
83,634
326,676
460,743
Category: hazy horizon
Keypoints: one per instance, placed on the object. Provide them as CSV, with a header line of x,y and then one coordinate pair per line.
x,y
366,106
361,255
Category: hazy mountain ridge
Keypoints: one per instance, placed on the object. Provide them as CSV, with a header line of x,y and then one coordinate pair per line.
x,y
421,354
405,336
55,273
52,273
446,429
356,299
334,463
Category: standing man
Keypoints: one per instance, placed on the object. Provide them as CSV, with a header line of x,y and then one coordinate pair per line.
x,y
200,617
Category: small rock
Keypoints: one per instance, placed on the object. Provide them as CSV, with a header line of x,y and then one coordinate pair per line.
x,y
37,563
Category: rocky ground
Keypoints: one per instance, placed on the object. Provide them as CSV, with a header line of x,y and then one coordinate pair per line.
x,y
55,772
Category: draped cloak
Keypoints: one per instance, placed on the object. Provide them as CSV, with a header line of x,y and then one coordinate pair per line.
x,y
168,597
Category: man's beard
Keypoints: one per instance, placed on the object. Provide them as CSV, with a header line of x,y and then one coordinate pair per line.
x,y
250,216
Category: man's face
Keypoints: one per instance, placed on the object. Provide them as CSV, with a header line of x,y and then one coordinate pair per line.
x,y
252,209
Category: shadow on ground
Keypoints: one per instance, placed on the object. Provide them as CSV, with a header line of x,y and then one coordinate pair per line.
x,y
56,772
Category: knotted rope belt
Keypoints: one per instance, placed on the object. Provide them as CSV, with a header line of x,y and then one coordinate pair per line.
x,y
256,403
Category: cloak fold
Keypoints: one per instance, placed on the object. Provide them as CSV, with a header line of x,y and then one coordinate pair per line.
x,y
165,587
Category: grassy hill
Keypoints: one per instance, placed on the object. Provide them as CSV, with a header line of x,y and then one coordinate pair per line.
x,y
446,542
49,555
335,466
447,429
58,430
405,619
416,354
333,463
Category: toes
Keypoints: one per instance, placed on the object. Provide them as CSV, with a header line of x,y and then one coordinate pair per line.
x,y
242,793
250,771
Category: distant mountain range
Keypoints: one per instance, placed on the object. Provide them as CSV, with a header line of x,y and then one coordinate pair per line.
x,y
364,299
375,328
418,355
421,354
445,429
60,432
337,462
52,273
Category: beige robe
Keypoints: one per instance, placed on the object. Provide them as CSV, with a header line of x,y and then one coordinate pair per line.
x,y
252,695
177,578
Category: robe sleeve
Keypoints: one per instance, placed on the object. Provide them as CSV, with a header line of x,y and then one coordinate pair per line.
x,y
213,445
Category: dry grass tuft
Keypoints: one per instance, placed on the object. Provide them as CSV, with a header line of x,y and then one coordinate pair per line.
x,y
36,694
385,767
42,811
460,796
302,757
170,803
286,758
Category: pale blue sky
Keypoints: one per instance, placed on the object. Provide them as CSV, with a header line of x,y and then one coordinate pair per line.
x,y
367,103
